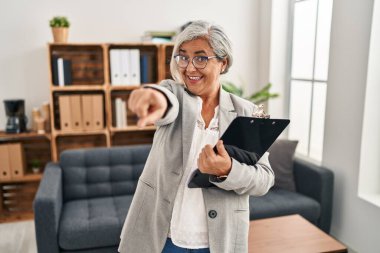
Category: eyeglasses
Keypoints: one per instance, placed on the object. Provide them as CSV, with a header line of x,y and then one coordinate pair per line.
x,y
199,62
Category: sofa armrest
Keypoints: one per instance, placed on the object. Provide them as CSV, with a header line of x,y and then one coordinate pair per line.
x,y
316,182
47,209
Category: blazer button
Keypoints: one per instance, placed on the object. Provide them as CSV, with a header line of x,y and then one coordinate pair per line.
x,y
212,214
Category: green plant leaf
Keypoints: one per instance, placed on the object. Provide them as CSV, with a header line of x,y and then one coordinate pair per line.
x,y
231,88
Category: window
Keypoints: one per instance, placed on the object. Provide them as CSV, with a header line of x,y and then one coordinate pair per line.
x,y
309,69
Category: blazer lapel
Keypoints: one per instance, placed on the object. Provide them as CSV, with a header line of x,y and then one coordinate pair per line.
x,y
227,111
189,114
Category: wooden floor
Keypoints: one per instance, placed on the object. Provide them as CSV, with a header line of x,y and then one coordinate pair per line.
x,y
18,237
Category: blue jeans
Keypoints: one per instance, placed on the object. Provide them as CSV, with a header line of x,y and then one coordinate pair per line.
x,y
171,248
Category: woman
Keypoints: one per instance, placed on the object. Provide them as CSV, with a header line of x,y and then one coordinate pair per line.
x,y
191,113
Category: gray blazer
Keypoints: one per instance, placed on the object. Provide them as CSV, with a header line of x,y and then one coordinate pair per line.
x,y
148,221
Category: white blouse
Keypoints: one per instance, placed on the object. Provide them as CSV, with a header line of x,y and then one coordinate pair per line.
x,y
188,228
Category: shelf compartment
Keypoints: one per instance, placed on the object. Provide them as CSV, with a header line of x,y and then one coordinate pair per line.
x,y
56,111
131,116
87,63
132,138
17,197
148,60
80,141
34,147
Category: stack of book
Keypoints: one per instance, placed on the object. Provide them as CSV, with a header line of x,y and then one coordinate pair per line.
x,y
125,67
159,36
132,67
61,71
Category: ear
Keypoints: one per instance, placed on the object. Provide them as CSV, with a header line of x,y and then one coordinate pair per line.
x,y
224,65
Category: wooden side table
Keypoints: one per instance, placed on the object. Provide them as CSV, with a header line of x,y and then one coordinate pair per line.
x,y
291,234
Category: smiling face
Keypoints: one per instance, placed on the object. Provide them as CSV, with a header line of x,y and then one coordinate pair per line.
x,y
201,82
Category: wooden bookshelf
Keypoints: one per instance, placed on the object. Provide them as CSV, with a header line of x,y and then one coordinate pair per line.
x,y
91,74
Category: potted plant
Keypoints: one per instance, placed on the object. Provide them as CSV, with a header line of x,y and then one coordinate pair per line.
x,y
36,166
261,96
60,27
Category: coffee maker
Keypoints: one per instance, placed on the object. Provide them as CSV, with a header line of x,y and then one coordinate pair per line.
x,y
15,111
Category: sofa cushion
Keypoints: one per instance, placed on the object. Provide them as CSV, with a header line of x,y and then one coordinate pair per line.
x,y
281,158
102,172
92,223
279,202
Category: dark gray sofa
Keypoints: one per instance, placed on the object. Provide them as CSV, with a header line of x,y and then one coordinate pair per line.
x,y
82,201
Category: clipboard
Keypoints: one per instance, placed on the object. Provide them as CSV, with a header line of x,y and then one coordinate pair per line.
x,y
246,140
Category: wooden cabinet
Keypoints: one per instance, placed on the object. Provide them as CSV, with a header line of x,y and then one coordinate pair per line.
x,y
93,89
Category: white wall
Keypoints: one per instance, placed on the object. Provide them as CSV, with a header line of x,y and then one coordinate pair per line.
x,y
369,175
355,221
25,32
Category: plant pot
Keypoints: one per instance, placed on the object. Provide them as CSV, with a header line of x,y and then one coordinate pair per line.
x,y
36,170
60,34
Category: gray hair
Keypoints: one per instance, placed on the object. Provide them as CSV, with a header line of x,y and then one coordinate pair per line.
x,y
214,34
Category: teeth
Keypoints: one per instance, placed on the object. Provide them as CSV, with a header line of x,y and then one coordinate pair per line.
x,y
194,77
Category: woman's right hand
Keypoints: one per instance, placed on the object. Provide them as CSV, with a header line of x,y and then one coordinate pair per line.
x,y
149,105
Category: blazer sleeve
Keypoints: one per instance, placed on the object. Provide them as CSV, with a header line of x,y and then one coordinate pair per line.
x,y
244,179
166,88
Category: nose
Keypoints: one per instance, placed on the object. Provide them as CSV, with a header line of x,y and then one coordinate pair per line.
x,y
190,67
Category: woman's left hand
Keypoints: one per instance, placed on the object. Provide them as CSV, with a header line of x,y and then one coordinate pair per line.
x,y
215,164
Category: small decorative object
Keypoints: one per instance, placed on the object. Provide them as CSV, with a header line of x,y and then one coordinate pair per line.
x,y
41,121
36,166
60,27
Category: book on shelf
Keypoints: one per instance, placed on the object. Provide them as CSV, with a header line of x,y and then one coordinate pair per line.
x,y
121,113
115,65
125,67
134,66
147,67
61,71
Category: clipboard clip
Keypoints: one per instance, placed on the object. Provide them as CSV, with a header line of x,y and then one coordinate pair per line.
x,y
260,113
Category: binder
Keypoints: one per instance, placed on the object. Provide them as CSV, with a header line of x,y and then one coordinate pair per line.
x,y
65,112
5,171
118,112
87,114
115,61
97,105
54,65
76,113
125,62
144,68
134,67
246,140
124,113
16,160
